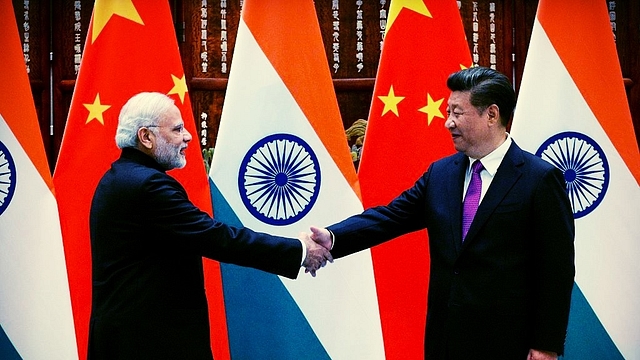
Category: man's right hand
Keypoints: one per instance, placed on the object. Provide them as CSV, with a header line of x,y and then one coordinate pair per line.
x,y
317,255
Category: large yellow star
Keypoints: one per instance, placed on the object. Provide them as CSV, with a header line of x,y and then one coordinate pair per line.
x,y
96,109
432,109
397,6
179,87
103,10
391,102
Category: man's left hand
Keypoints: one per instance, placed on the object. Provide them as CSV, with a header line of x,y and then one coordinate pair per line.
x,y
317,255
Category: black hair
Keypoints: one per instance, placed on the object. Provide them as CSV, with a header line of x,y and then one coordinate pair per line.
x,y
486,87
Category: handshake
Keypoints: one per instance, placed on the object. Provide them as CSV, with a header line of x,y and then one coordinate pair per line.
x,y
318,244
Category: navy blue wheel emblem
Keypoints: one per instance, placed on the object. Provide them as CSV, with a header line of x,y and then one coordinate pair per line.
x,y
585,168
279,179
7,177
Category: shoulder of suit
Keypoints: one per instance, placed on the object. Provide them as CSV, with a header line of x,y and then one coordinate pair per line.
x,y
133,171
534,161
455,159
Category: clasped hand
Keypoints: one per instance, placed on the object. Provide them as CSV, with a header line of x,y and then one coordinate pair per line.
x,y
318,245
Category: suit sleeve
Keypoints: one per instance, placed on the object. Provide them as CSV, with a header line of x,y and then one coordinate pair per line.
x,y
187,228
404,214
554,266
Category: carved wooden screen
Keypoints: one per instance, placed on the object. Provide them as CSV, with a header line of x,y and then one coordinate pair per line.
x,y
352,33
498,33
33,25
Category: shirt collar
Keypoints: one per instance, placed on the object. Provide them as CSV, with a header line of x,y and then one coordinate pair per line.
x,y
492,161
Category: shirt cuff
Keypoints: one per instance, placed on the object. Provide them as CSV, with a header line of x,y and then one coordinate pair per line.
x,y
304,252
333,239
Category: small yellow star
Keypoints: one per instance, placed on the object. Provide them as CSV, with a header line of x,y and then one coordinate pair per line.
x,y
95,110
179,87
432,109
391,102
103,10
397,6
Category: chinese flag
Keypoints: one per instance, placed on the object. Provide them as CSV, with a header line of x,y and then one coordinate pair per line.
x,y
131,47
424,43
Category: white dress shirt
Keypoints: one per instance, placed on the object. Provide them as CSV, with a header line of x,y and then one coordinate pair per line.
x,y
491,162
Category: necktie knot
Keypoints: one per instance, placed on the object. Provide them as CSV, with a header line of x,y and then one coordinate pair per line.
x,y
476,167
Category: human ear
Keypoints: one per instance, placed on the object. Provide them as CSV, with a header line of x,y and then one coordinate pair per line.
x,y
144,137
493,112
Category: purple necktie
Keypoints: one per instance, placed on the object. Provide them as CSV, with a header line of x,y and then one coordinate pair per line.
x,y
472,198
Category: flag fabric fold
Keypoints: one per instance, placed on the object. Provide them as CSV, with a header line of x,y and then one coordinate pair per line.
x,y
36,321
131,47
572,111
282,164
424,43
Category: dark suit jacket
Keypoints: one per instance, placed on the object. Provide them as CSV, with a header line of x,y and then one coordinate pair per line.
x,y
147,244
507,288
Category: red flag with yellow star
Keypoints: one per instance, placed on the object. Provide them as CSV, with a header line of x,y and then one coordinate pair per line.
x,y
131,47
424,43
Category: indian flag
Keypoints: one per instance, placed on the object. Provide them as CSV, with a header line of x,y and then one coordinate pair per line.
x,y
281,164
35,307
572,111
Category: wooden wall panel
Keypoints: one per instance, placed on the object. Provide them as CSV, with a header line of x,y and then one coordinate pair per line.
x,y
70,22
487,24
353,76
210,32
61,29
33,22
625,18
524,13
353,30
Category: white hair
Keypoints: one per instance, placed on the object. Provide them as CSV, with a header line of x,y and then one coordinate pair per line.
x,y
143,109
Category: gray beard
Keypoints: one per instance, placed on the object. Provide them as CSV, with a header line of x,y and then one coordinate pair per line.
x,y
168,155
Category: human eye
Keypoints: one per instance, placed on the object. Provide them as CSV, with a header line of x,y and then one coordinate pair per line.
x,y
454,113
179,128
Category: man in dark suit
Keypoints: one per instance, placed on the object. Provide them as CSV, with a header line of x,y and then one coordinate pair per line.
x,y
503,290
148,240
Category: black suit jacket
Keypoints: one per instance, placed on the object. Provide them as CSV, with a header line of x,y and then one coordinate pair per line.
x,y
147,244
507,288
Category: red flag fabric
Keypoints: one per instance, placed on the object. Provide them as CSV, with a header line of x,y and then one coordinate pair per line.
x,y
131,47
424,43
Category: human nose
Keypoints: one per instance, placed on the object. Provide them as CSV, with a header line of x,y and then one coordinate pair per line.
x,y
449,123
186,135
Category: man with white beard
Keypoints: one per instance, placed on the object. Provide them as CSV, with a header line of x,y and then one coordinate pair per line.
x,y
148,240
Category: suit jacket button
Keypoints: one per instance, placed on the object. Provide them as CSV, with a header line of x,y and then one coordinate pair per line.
x,y
456,271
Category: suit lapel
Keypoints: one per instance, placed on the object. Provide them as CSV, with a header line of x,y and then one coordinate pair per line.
x,y
506,176
454,197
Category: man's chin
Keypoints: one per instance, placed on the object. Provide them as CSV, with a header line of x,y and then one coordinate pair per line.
x,y
180,164
172,165
181,161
